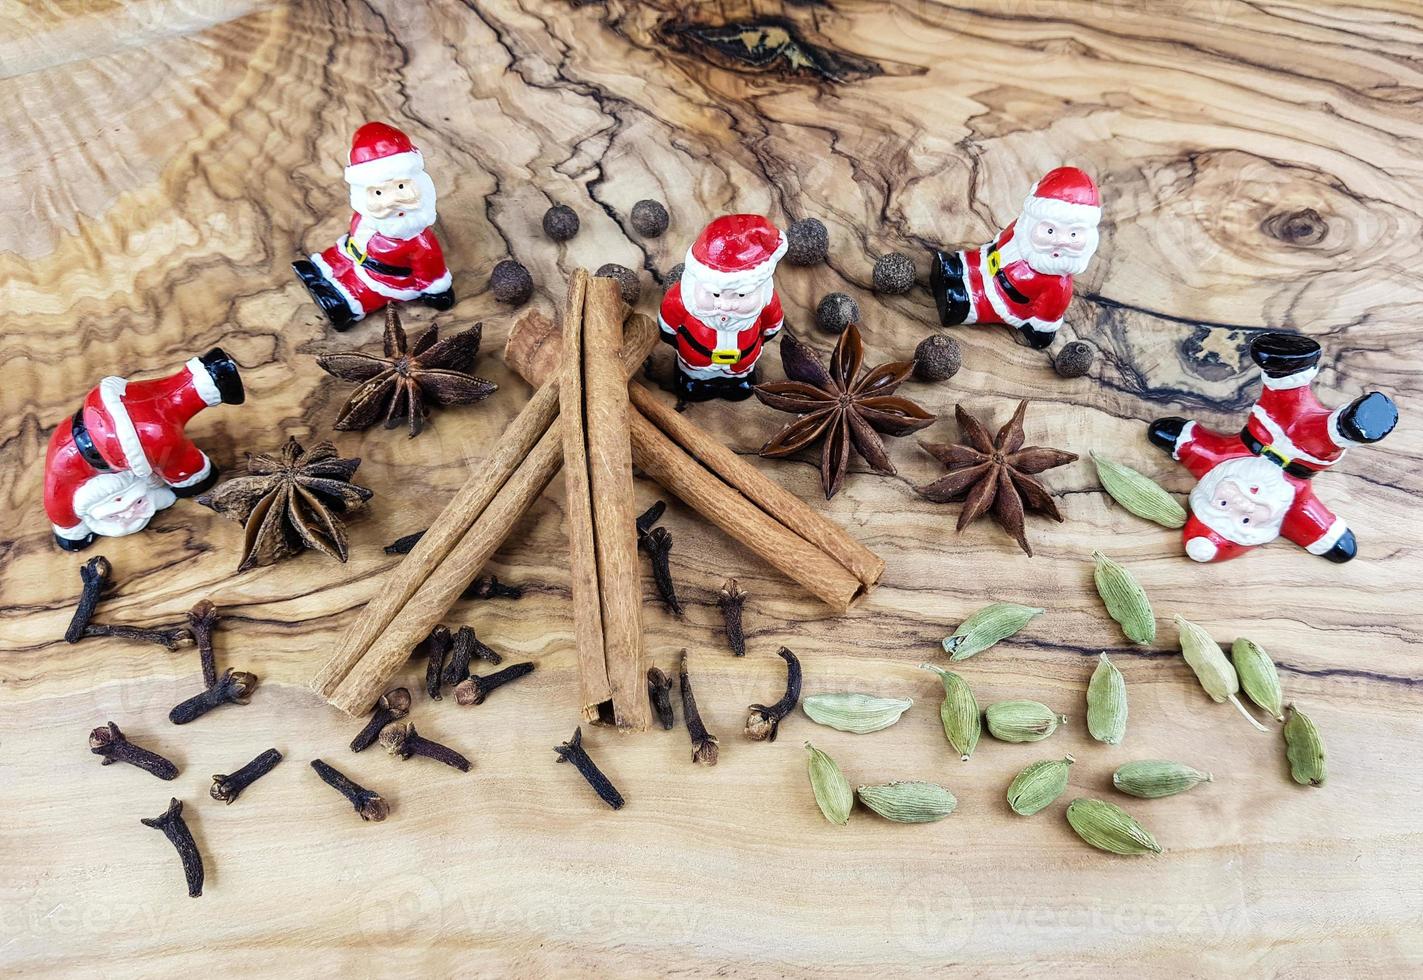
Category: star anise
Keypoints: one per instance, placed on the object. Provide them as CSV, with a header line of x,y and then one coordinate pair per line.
x,y
408,380
290,501
995,475
839,409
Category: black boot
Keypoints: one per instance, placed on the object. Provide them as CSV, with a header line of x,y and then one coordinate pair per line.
x,y
1368,418
1345,549
1037,339
950,287
75,544
1280,354
202,486
223,371
326,296
691,389
440,301
1164,433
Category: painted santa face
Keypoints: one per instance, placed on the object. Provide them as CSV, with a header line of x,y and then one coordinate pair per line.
x,y
1061,249
731,303
128,509
392,198
1231,502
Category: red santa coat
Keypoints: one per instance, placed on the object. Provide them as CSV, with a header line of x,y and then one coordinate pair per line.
x,y
371,269
698,343
1012,291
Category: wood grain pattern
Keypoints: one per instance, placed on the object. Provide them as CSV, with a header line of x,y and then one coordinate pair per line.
x,y
168,158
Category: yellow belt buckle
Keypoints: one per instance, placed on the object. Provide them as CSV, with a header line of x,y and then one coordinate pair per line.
x,y
354,252
1276,457
723,356
995,262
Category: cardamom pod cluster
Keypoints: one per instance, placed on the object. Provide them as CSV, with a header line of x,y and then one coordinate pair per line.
x,y
1151,779
959,712
1304,749
986,627
1107,703
1258,677
831,788
909,802
1038,785
858,713
1022,721
1213,670
1138,493
1108,827
1125,599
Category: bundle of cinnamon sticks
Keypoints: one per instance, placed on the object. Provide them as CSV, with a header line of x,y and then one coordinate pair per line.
x,y
584,414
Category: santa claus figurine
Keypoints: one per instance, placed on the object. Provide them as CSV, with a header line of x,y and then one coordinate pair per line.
x,y
1024,277
1255,485
389,252
722,311
123,457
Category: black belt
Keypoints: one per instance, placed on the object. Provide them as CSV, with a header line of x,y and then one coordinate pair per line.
x,y
375,265
84,442
706,351
1004,283
1290,466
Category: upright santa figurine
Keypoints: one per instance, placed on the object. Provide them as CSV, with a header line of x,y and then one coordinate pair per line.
x,y
722,311
1255,485
390,252
123,456
1024,276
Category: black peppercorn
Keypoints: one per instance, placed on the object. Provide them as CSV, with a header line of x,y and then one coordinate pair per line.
x,y
674,274
1074,360
511,282
628,283
894,274
937,358
836,312
807,242
560,222
649,218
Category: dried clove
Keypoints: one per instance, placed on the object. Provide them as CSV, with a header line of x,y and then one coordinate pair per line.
x,y
659,692
226,788
234,687
461,653
474,689
435,647
94,574
704,743
573,751
764,721
402,740
113,746
368,803
404,545
175,828
392,706
489,587
648,519
731,599
202,620
168,637
658,545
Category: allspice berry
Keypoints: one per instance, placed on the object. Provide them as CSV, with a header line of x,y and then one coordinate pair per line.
x,y
937,358
1074,360
673,274
649,218
628,283
836,312
894,274
511,282
807,242
560,222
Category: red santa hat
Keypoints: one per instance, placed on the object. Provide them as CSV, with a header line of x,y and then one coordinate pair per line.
x,y
1204,544
380,152
736,251
1067,195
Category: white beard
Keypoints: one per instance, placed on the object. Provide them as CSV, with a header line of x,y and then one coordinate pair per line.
x,y
1275,493
724,322
1044,262
401,226
122,502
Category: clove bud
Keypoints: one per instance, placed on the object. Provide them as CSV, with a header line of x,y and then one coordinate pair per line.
x,y
392,706
234,687
113,746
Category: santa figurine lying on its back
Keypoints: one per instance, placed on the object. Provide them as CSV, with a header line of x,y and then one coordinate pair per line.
x,y
389,252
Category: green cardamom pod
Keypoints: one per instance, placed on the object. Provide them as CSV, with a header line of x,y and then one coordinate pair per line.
x,y
1038,785
1125,599
909,802
1139,493
858,713
831,788
1215,673
1258,677
1107,703
1304,749
1152,779
986,627
1108,827
959,712
1022,721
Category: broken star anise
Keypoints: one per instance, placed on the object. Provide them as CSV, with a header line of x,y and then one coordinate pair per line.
x,y
995,475
836,408
290,501
408,380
